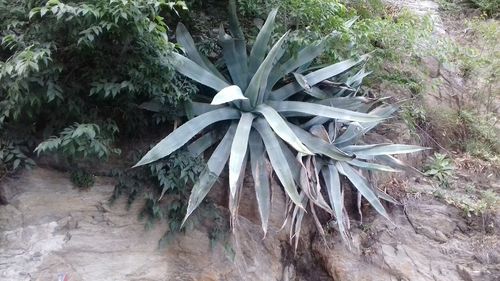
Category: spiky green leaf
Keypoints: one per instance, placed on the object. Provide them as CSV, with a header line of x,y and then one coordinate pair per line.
x,y
258,84
361,184
333,188
215,165
239,150
382,149
280,127
260,46
261,178
185,40
196,72
184,133
322,110
278,160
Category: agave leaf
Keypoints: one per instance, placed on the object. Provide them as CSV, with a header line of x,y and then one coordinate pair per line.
x,y
353,132
260,46
384,196
198,108
322,110
316,92
258,84
239,150
281,128
285,92
357,79
198,146
360,104
235,58
291,160
393,162
312,91
372,166
261,178
310,183
278,160
332,182
297,217
315,77
382,149
307,54
361,184
301,79
384,111
196,72
185,40
315,121
215,165
184,133
234,200
318,145
320,132
327,72
228,94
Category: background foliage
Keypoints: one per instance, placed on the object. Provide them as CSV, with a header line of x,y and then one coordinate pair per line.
x,y
85,62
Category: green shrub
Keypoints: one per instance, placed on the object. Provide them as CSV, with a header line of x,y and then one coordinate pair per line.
x,y
86,62
490,7
82,141
165,185
13,157
441,168
82,179
270,107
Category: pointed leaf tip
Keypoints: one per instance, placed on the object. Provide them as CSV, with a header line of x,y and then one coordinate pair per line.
x,y
228,94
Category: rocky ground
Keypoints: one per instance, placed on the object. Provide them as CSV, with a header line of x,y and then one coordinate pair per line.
x,y
49,228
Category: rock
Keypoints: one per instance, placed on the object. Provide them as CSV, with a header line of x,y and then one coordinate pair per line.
x,y
464,273
431,66
50,229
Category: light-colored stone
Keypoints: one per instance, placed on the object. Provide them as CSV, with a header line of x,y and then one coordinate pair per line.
x,y
50,228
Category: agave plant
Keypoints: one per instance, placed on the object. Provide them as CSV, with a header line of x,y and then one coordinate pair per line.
x,y
319,174
268,105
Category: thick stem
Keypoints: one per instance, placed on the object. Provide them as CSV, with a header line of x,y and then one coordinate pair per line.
x,y
234,23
